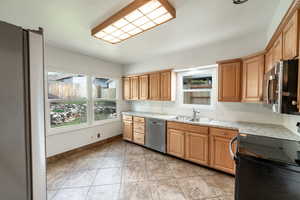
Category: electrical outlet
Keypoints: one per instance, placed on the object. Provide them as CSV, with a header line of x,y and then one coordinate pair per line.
x,y
99,135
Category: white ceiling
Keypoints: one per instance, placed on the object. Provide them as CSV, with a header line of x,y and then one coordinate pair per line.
x,y
67,24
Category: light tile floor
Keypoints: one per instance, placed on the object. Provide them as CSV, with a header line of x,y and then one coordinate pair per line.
x,y
125,171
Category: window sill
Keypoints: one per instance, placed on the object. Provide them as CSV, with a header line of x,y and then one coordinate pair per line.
x,y
64,130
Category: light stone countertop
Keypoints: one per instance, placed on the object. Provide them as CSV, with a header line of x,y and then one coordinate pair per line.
x,y
267,130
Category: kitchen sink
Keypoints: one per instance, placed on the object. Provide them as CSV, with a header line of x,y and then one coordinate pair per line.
x,y
190,119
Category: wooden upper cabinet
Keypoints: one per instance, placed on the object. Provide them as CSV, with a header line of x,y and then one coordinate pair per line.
x,y
277,50
290,38
175,142
166,86
154,86
219,149
196,147
253,73
126,88
134,84
144,87
230,80
269,60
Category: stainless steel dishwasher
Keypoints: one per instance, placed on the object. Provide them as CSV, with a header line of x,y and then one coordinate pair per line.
x,y
156,134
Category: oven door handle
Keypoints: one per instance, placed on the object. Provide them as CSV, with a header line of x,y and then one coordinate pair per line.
x,y
233,155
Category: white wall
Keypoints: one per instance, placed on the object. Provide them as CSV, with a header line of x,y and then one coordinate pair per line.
x,y
65,61
202,55
282,8
231,48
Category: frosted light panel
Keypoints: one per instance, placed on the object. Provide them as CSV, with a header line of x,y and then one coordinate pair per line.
x,y
140,19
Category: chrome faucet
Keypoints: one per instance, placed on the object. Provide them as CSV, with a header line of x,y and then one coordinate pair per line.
x,y
196,112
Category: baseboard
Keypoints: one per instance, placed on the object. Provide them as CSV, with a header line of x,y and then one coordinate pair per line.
x,y
86,147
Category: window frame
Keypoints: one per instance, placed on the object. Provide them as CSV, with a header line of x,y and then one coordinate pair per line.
x,y
94,99
199,70
90,105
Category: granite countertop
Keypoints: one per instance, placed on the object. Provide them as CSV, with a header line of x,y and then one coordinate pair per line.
x,y
267,130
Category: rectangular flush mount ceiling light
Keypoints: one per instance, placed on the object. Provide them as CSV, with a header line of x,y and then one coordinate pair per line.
x,y
137,17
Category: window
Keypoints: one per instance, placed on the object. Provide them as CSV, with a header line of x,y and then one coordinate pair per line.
x,y
198,87
67,95
75,99
105,105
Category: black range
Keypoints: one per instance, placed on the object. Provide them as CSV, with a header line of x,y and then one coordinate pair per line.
x,y
267,168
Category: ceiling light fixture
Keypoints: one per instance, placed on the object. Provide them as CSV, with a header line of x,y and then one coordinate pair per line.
x,y
137,17
239,1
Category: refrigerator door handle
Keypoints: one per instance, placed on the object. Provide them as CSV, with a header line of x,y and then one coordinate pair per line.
x,y
232,154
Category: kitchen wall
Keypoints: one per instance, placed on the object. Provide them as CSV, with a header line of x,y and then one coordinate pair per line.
x,y
209,54
66,61
282,8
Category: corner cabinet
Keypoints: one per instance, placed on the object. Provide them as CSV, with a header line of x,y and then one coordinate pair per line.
x,y
219,149
253,74
230,80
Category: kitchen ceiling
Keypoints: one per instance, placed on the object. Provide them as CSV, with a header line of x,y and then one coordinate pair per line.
x,y
67,24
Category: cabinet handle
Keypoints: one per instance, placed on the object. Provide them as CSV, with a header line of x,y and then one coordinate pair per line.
x,y
233,155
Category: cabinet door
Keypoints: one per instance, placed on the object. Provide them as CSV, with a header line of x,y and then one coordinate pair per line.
x,y
230,82
290,38
154,86
253,72
127,131
165,82
126,88
175,143
277,50
219,150
196,147
269,60
134,83
144,85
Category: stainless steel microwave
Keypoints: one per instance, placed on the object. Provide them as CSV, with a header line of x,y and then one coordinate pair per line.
x,y
281,87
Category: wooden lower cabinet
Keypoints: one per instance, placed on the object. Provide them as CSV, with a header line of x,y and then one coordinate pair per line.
x,y
219,150
202,145
139,130
196,148
127,131
175,142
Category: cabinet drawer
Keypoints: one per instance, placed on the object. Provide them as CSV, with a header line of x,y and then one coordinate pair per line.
x,y
127,118
223,132
139,138
139,120
140,128
188,127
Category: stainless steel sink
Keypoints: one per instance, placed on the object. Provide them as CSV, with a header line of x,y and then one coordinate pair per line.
x,y
190,119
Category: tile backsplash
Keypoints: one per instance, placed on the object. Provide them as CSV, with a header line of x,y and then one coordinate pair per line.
x,y
222,111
